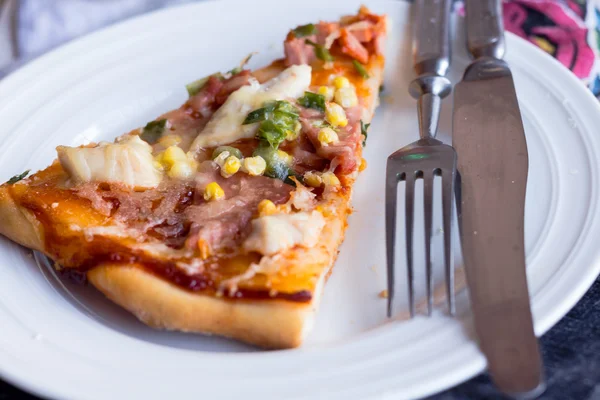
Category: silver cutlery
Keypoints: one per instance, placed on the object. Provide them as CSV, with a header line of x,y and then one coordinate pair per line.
x,y
490,141
427,157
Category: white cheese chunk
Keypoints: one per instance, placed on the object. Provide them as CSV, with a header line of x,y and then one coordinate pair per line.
x,y
128,162
275,233
225,126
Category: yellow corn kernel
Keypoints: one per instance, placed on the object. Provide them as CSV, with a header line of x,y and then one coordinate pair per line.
x,y
158,165
335,115
172,155
254,165
159,158
220,159
231,165
329,179
346,97
312,179
266,207
293,135
327,136
204,249
169,140
213,192
326,91
285,157
363,165
181,170
341,82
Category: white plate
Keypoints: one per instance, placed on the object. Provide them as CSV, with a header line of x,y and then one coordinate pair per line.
x,y
65,341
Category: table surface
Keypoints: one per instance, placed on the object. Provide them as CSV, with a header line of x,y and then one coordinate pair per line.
x,y
571,352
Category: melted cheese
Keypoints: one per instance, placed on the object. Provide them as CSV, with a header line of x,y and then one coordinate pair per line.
x,y
275,233
226,127
128,162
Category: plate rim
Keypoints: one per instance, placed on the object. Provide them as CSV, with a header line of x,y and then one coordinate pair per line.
x,y
550,320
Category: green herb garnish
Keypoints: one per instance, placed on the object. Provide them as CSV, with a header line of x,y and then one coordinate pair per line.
x,y
240,67
232,152
195,87
320,51
305,30
312,100
364,128
277,119
360,69
17,178
153,131
272,132
278,162
381,88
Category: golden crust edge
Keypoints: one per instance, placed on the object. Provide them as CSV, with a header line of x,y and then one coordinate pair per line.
x,y
268,323
19,224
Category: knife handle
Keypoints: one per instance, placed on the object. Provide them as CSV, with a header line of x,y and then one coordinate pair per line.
x,y
485,31
431,47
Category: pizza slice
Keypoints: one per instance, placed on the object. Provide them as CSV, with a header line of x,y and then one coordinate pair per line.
x,y
225,215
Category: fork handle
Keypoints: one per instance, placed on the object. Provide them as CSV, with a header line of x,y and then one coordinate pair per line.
x,y
431,37
431,52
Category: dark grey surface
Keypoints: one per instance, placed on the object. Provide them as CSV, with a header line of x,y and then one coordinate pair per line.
x,y
571,352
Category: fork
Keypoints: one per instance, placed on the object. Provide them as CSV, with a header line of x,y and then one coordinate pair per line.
x,y
427,157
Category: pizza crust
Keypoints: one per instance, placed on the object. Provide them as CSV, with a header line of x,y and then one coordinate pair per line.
x,y
269,323
160,304
19,224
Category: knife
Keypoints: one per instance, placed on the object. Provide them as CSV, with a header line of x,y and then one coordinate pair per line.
x,y
490,141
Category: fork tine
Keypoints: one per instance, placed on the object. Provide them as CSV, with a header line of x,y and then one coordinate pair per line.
x,y
428,210
391,193
410,197
447,201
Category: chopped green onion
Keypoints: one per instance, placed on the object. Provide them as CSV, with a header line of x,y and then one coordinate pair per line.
x,y
19,177
305,30
153,131
232,152
195,87
278,166
272,132
240,67
277,119
272,110
320,51
258,115
312,100
360,69
381,88
364,130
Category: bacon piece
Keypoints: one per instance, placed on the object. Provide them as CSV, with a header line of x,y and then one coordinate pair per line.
x,y
222,224
206,97
232,84
364,31
352,47
297,52
342,153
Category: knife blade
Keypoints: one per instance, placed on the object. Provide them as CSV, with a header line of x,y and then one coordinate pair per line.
x,y
489,138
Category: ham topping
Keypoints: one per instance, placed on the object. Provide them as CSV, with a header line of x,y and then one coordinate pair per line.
x,y
297,51
343,151
355,34
177,213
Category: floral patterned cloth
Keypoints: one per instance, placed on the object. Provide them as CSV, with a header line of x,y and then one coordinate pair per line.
x,y
569,30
